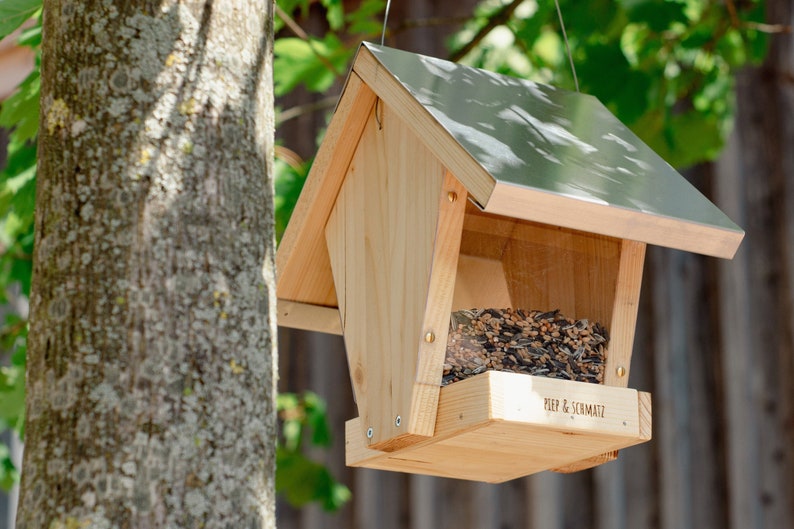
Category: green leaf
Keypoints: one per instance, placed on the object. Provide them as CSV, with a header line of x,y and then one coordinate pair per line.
x,y
335,14
317,419
592,18
289,182
286,401
313,63
683,140
12,394
292,430
31,37
367,19
21,157
631,101
15,339
301,481
608,59
290,7
17,198
14,12
9,476
21,110
659,15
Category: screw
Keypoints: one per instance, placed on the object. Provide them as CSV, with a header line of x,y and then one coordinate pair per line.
x,y
369,433
430,337
621,371
452,196
398,421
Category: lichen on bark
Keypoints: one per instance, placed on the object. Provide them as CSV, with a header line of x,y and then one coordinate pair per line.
x,y
151,368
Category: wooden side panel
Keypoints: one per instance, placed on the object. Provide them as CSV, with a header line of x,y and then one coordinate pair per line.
x,y
485,235
302,263
548,268
381,240
624,313
480,283
346,252
622,329
435,137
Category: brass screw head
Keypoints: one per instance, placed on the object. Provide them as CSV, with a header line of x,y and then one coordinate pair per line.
x,y
430,337
452,196
621,371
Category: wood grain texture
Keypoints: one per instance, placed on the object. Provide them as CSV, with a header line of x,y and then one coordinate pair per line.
x,y
480,283
624,312
516,418
548,267
476,179
529,204
438,305
302,261
381,237
590,462
308,317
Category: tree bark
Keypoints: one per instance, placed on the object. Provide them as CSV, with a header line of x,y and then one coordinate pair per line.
x,y
151,377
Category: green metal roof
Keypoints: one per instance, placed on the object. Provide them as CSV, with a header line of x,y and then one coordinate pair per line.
x,y
550,140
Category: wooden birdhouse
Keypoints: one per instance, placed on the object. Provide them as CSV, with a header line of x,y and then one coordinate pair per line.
x,y
440,188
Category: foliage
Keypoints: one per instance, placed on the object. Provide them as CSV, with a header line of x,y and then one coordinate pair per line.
x,y
299,479
291,172
664,67
17,191
13,13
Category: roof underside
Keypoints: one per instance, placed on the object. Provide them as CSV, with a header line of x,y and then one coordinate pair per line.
x,y
563,145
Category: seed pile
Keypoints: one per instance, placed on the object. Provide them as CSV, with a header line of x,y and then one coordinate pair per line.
x,y
532,342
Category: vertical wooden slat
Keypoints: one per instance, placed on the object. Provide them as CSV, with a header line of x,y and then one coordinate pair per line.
x,y
671,392
741,428
544,496
513,507
424,501
609,495
757,290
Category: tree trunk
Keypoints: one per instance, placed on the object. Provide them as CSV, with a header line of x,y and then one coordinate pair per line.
x,y
151,353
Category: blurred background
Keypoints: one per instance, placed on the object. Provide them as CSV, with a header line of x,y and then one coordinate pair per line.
x,y
710,86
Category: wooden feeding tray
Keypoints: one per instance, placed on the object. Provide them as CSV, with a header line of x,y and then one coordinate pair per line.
x,y
440,187
498,426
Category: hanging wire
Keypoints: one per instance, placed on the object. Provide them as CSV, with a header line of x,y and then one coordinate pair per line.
x,y
382,39
567,46
385,20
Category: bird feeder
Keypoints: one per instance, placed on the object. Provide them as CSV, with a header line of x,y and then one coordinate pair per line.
x,y
441,187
